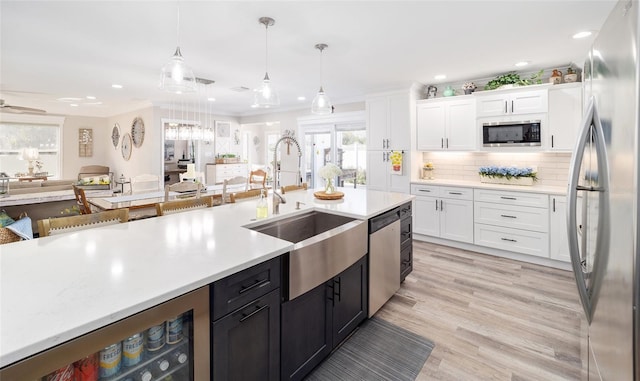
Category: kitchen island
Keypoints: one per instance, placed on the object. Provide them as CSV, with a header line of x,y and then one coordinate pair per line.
x,y
57,288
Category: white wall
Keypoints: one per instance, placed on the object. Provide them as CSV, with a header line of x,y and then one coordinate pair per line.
x,y
71,161
146,159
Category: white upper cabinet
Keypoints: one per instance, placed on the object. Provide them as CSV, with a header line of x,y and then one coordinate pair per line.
x,y
446,124
389,122
512,103
565,116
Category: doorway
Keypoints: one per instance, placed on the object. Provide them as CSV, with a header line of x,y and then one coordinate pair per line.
x,y
344,145
317,148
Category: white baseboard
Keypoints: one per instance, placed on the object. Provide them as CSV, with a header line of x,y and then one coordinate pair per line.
x,y
496,252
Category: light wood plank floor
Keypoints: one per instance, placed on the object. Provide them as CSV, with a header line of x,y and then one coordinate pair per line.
x,y
491,318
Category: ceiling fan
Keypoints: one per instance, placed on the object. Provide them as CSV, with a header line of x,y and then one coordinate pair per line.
x,y
19,109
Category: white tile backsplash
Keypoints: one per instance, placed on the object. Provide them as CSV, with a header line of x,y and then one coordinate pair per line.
x,y
553,168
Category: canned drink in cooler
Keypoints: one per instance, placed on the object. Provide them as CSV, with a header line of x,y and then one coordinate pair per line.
x,y
62,374
87,369
174,330
132,350
111,360
155,337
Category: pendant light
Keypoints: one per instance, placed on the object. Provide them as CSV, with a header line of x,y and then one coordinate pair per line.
x,y
266,96
177,77
321,104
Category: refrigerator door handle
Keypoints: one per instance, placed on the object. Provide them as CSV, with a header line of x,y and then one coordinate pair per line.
x,y
591,129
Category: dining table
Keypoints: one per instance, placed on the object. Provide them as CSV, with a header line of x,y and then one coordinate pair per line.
x,y
142,205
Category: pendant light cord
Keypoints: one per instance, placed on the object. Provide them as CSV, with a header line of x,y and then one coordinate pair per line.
x,y
321,68
266,48
178,26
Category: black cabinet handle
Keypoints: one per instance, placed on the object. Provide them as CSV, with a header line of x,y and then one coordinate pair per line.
x,y
554,204
441,142
512,106
508,239
339,288
436,204
441,206
505,107
508,198
424,190
551,141
257,283
507,216
457,193
258,309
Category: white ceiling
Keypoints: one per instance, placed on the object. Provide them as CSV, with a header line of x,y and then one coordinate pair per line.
x,y
72,49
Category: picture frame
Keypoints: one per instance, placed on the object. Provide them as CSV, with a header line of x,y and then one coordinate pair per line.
x,y
223,129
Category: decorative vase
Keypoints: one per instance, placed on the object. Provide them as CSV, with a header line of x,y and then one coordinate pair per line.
x,y
468,91
329,188
527,181
449,92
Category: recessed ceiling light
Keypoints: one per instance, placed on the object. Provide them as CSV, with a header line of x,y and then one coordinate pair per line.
x,y
301,98
440,76
211,99
69,99
116,86
91,97
73,104
583,34
522,63
254,105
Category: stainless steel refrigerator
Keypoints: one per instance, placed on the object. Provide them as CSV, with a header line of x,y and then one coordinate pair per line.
x,y
604,200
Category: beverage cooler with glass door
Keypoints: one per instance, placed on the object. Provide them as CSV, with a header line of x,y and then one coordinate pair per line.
x,y
167,342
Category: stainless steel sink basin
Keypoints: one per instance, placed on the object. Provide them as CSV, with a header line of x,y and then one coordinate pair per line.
x,y
325,245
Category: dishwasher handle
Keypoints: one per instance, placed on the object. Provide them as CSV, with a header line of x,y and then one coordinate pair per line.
x,y
385,219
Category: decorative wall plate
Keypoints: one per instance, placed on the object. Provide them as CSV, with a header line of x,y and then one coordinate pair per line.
x,y
115,135
137,132
126,146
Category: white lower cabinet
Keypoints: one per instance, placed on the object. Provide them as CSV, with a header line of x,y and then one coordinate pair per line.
x,y
528,223
445,212
513,221
558,236
516,240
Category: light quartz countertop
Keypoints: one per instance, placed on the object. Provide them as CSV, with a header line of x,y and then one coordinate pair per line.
x,y
56,288
560,191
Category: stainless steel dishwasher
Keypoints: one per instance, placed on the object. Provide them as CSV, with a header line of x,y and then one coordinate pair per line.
x,y
384,258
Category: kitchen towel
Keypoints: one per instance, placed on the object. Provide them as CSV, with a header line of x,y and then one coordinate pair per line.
x,y
395,158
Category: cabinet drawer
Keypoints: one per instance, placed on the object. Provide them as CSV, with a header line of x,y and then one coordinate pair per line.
x,y
512,216
425,190
456,193
406,261
405,230
405,210
512,198
234,291
516,240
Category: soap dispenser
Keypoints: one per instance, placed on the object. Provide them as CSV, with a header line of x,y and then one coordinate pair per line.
x,y
262,210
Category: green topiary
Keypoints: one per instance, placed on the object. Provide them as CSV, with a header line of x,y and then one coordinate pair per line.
x,y
514,79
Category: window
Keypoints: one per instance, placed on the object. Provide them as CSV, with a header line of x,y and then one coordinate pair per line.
x,y
29,131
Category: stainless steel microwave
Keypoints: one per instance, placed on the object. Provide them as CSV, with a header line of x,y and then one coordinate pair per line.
x,y
505,134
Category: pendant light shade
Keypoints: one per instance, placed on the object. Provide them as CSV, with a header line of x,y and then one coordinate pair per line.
x,y
177,77
266,95
321,104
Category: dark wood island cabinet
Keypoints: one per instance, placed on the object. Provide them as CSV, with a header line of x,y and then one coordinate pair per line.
x,y
314,323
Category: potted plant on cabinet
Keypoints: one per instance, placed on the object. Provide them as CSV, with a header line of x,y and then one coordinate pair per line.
x,y
514,79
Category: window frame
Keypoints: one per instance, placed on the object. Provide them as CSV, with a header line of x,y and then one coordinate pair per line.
x,y
42,120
